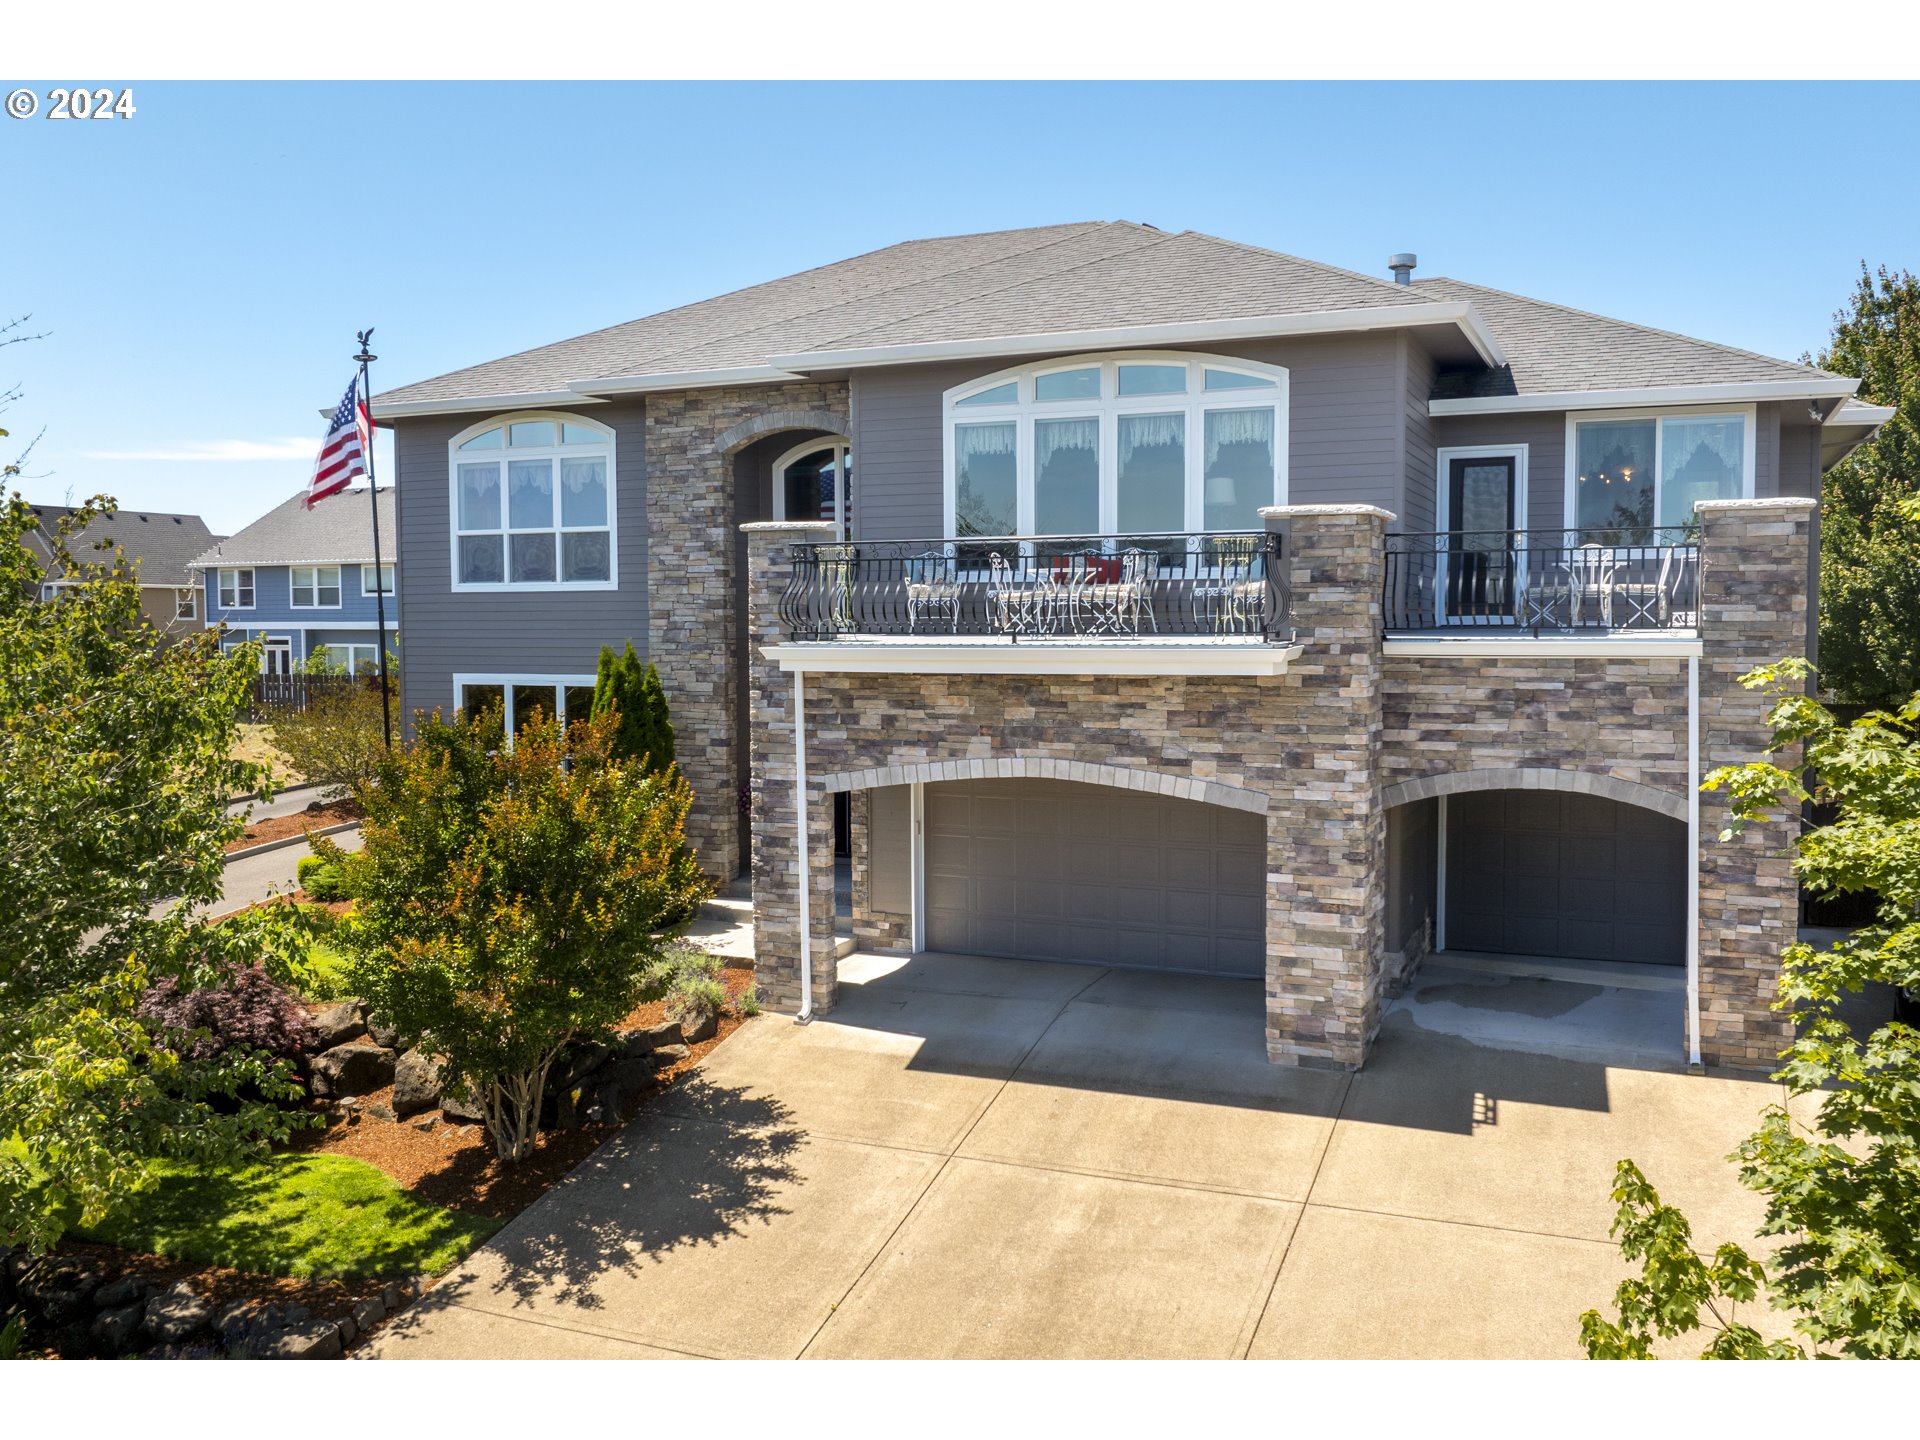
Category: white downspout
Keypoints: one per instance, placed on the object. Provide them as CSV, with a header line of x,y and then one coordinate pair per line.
x,y
806,872
1693,864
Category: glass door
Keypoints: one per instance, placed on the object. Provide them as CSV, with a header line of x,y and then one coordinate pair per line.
x,y
816,483
1480,569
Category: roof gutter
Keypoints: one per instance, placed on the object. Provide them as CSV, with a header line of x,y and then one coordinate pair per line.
x,y
1182,332
1812,388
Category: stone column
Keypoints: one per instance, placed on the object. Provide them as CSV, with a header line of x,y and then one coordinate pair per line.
x,y
1326,829
776,849
1755,609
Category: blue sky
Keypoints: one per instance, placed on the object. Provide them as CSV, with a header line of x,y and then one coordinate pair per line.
x,y
201,268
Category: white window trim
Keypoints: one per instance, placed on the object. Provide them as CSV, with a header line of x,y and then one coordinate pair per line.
x,y
1107,410
335,648
559,683
1443,459
842,449
220,587
191,595
367,590
339,588
544,452
1569,515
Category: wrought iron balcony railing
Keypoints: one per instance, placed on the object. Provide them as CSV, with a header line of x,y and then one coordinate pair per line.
x,y
1543,582
1042,587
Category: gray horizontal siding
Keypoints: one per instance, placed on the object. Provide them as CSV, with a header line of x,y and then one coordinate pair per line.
x,y
1416,508
1545,436
553,633
1344,443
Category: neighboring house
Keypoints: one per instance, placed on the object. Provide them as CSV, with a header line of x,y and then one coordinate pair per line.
x,y
301,581
1157,600
160,551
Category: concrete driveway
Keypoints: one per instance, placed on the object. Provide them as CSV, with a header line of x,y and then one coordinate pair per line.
x,y
984,1158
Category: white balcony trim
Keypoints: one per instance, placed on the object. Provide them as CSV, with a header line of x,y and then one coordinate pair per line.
x,y
1673,645
995,655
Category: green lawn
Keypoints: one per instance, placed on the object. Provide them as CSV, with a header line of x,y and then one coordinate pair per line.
x,y
310,1216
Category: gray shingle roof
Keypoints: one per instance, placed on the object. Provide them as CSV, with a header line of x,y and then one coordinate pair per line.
x,y
1059,277
161,546
337,531
1551,348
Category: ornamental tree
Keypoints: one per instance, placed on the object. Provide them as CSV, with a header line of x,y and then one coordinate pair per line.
x,y
627,688
512,899
1844,1195
115,768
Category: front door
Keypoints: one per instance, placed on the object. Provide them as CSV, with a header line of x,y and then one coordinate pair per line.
x,y
1481,558
276,658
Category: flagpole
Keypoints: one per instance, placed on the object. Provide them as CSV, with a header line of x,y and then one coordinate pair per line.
x,y
366,358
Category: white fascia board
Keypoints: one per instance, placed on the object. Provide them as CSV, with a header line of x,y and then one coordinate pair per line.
x,y
1856,414
1812,388
682,380
477,404
1527,647
1179,332
1000,657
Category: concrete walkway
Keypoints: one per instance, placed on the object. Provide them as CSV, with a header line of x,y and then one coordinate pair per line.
x,y
985,1158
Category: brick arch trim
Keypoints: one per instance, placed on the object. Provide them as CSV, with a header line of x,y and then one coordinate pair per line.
x,y
772,421
1208,792
1578,782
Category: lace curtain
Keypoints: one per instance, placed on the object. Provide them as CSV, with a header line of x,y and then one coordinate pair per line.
x,y
1150,432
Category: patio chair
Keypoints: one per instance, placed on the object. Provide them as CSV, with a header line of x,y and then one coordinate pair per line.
x,y
1233,601
1016,606
1590,574
1117,607
933,589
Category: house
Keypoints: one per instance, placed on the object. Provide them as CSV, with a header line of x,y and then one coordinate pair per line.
x,y
1154,599
303,583
160,549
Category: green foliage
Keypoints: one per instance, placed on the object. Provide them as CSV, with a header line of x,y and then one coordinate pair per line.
x,y
509,900
337,740
14,1333
748,1002
1870,503
324,1217
321,878
693,987
1844,1195
115,761
626,688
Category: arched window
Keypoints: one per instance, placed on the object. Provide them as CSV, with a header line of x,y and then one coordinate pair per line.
x,y
1138,443
814,481
532,504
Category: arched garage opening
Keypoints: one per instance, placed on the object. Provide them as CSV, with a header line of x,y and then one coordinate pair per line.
x,y
1561,868
1015,863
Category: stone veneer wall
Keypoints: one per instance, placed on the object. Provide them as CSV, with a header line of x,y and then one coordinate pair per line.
x,y
691,518
1306,740
1754,609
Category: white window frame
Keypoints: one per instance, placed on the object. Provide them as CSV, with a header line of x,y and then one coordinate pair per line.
x,y
559,683
1570,520
336,649
368,584
843,461
1106,410
554,452
186,603
315,585
251,587
1443,458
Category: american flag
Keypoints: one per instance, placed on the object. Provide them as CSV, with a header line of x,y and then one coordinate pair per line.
x,y
343,454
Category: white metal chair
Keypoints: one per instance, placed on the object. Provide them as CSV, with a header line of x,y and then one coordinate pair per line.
x,y
1590,572
933,589
1116,607
1016,606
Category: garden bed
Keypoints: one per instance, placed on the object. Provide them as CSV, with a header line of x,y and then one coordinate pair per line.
x,y
317,816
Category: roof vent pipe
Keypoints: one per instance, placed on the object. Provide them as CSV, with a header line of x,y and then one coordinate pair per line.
x,y
1402,267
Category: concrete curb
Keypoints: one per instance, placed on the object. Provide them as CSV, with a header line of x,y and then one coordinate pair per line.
x,y
286,840
281,794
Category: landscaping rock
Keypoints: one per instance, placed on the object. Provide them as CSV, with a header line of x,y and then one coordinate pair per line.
x,y
416,1083
456,1106
124,1291
426,1122
176,1313
309,1340
703,1028
669,1054
649,1037
352,1070
383,1033
580,1064
114,1330
338,1024
380,1110
235,1319
62,1286
348,1330
370,1312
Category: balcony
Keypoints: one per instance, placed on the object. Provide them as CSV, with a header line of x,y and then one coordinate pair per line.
x,y
1638,582
1059,604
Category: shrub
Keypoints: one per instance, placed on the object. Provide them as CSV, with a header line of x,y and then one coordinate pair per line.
x,y
748,1002
321,878
243,1007
336,740
631,692
509,900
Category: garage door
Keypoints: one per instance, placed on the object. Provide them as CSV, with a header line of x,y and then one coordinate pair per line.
x,y
1050,870
1533,872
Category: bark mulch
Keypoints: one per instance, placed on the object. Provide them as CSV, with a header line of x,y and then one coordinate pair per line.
x,y
279,827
